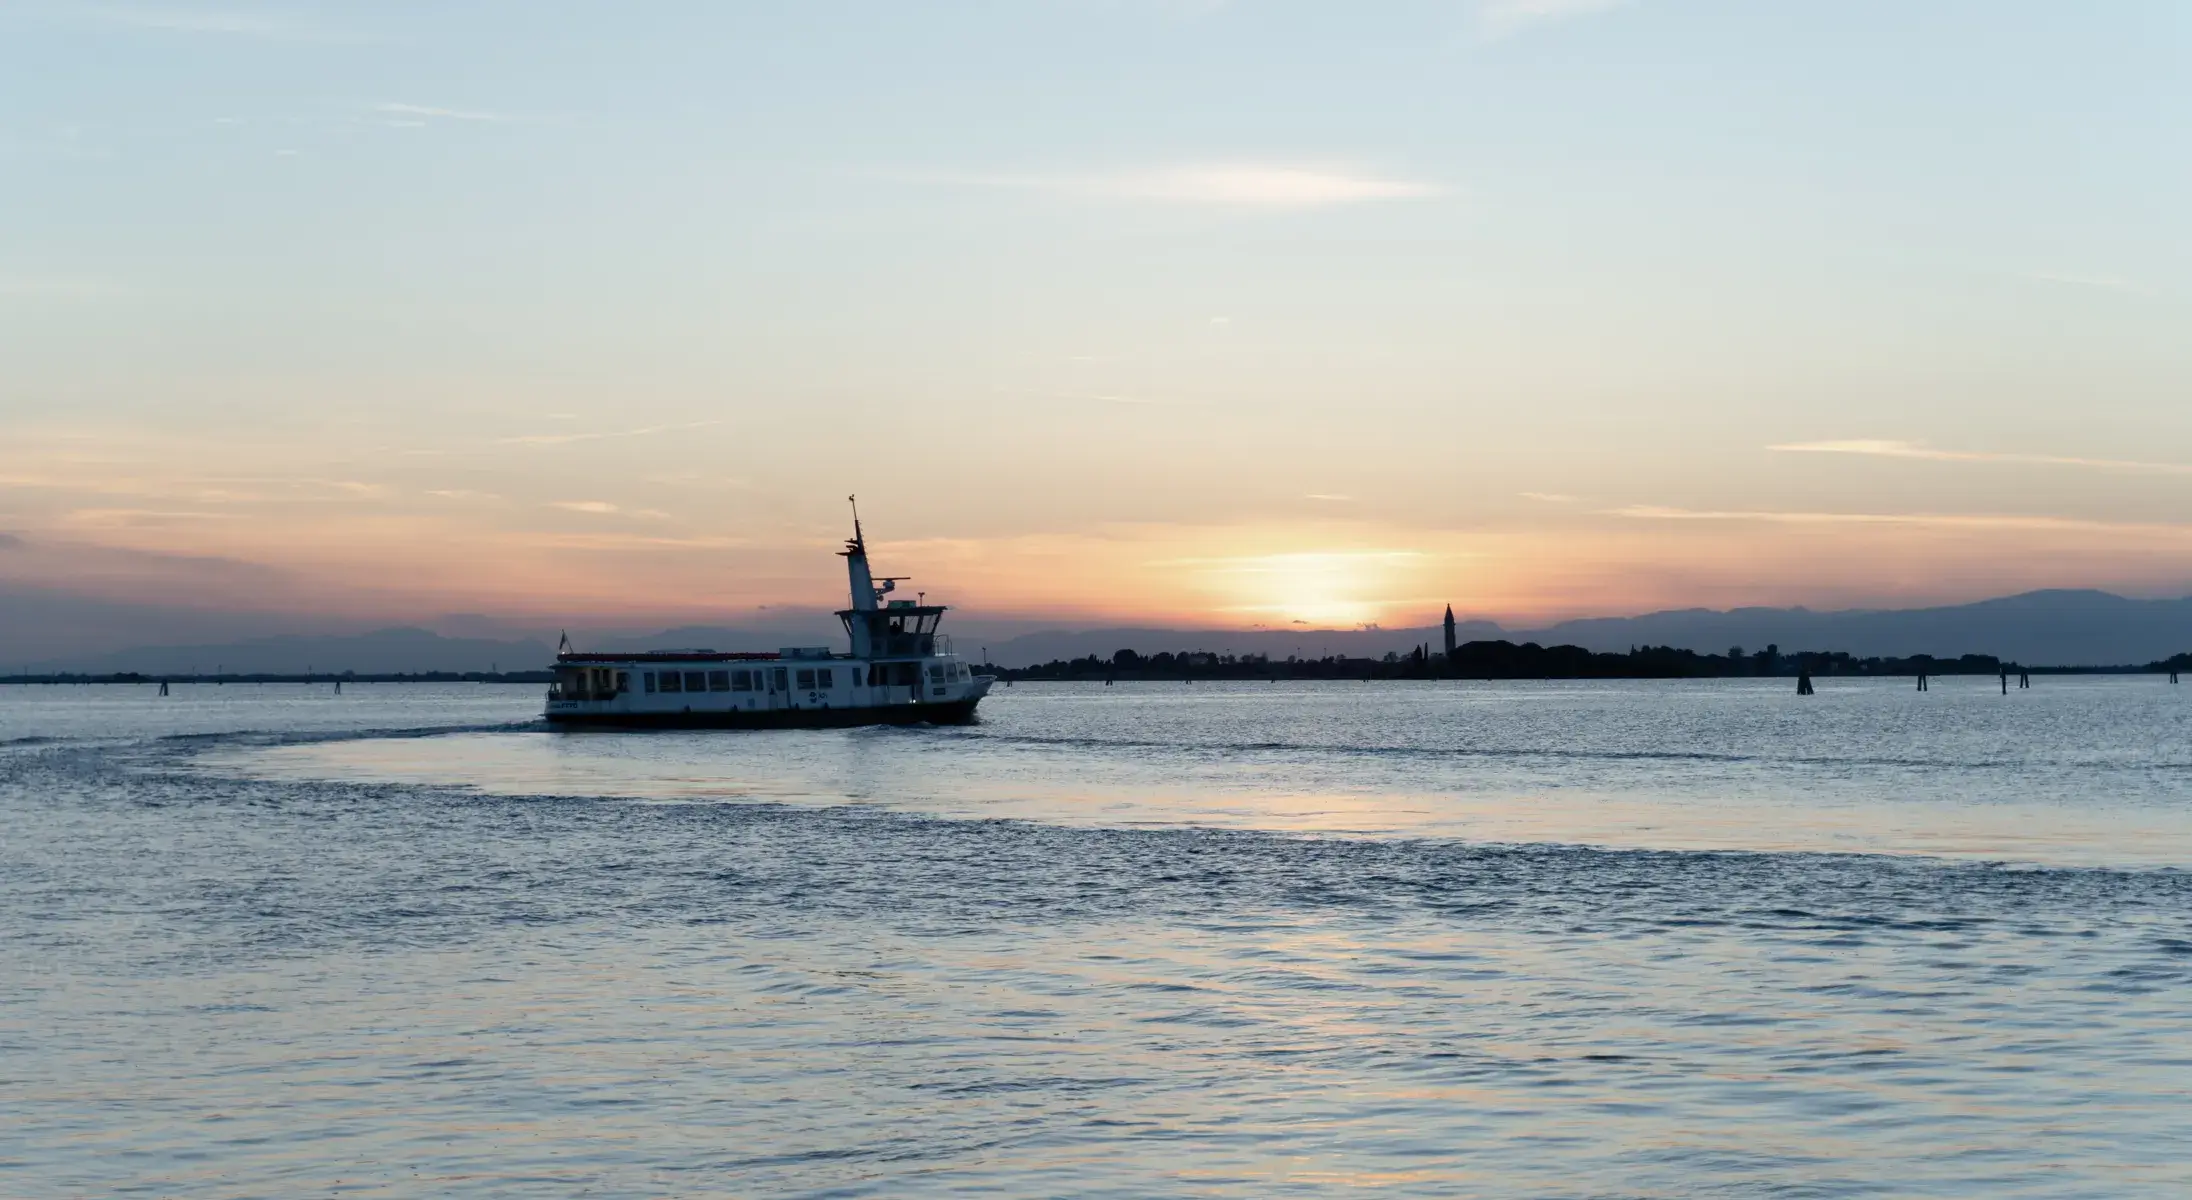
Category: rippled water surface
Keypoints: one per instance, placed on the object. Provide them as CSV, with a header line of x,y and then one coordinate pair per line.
x,y
1650,939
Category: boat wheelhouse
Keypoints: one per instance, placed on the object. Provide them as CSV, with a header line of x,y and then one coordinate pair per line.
x,y
899,670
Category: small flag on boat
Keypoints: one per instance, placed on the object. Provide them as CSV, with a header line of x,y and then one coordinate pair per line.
x,y
563,643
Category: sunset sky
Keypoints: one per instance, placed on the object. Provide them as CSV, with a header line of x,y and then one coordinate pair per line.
x,y
1215,312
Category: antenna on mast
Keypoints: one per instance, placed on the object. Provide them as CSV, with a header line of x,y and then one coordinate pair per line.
x,y
857,540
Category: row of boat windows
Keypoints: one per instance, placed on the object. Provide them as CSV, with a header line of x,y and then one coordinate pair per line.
x,y
805,679
719,681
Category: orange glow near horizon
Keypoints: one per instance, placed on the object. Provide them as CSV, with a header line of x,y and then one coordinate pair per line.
x,y
1326,575
372,535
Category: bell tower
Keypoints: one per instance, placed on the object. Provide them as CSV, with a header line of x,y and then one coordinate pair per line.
x,y
1449,631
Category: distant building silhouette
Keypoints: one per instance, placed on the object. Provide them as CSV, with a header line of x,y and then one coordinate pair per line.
x,y
1449,631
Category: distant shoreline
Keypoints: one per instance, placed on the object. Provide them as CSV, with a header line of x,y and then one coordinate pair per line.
x,y
1506,660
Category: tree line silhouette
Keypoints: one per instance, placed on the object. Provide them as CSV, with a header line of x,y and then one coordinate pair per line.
x,y
1529,660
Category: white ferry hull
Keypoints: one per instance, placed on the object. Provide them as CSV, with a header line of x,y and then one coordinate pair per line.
x,y
573,715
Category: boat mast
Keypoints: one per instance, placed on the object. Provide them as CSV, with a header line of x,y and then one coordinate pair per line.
x,y
855,554
864,620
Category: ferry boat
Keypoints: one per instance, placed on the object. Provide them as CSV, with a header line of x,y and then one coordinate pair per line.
x,y
900,671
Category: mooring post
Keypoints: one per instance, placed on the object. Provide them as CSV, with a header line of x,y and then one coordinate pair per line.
x,y
2024,679
2005,683
1803,683
1921,681
163,686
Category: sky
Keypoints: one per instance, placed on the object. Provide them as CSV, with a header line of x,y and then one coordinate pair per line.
x,y
1211,312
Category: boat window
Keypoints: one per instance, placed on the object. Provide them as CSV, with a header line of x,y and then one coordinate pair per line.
x,y
780,675
696,681
624,681
719,681
822,678
741,681
806,678
672,682
936,672
648,678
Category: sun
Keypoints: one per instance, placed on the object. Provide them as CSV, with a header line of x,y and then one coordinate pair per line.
x,y
1329,588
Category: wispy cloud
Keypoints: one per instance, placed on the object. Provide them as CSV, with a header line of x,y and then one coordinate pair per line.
x,y
422,113
627,541
1653,512
1271,564
114,518
604,508
59,287
224,21
1498,18
1233,185
1328,496
559,439
1549,497
1881,448
2105,283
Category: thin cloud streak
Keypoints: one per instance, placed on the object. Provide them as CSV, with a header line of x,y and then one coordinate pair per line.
x,y
559,439
1242,185
430,112
234,24
1499,18
1258,564
2105,283
127,517
604,508
1654,512
57,287
1895,449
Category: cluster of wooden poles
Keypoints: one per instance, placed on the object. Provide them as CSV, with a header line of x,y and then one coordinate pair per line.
x,y
2024,680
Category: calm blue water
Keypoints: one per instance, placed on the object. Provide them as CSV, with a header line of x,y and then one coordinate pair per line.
x,y
1650,939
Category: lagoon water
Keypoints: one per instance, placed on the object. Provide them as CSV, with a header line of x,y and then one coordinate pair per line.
x,y
1548,939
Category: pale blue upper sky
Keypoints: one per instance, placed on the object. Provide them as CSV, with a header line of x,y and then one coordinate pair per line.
x,y
1527,289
